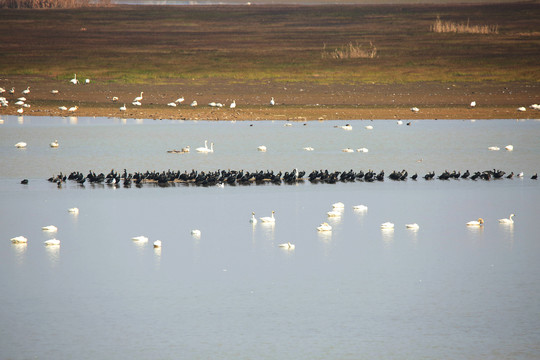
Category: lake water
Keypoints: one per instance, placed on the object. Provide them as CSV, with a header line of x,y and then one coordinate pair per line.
x,y
445,291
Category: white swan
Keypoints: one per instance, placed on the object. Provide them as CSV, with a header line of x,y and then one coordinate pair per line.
x,y
74,210
494,148
179,100
414,226
50,228
123,108
365,150
136,103
63,108
157,243
139,98
74,81
473,104
87,81
338,205
509,147
20,145
193,103
415,109
287,245
478,222
186,149
269,219
73,108
54,144
347,150
346,127
309,148
334,213
52,242
272,101
26,91
360,207
233,104
20,111
172,104
369,127
399,122
508,220
324,227
261,148
196,233
387,225
205,149
19,240
522,109
141,239
253,219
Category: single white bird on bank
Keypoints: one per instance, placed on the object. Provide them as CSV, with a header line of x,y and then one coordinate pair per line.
x,y
479,222
172,104
26,91
74,81
179,100
73,108
52,242
87,81
415,109
19,240
522,109
136,103
272,102
114,99
233,104
123,108
54,91
193,103
20,111
54,144
269,219
139,98
63,108
508,220
473,104
324,227
49,228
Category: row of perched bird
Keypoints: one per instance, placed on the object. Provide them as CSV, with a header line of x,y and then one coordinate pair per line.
x,y
243,177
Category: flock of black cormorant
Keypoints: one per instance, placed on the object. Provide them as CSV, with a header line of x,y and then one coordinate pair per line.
x,y
243,177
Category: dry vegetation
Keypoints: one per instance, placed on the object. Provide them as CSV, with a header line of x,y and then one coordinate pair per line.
x,y
440,26
351,51
51,4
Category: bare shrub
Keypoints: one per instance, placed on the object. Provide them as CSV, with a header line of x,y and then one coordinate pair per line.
x,y
440,26
50,4
351,51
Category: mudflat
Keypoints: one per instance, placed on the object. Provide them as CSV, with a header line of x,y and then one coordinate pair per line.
x,y
295,54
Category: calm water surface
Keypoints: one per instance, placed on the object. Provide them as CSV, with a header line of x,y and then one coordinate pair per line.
x,y
445,291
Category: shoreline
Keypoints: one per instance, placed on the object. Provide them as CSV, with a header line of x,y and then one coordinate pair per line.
x,y
294,102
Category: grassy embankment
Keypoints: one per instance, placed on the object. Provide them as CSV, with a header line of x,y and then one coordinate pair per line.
x,y
259,43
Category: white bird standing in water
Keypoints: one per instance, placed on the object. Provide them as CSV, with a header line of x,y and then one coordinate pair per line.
x,y
253,219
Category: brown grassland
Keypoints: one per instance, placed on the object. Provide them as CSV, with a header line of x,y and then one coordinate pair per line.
x,y
253,53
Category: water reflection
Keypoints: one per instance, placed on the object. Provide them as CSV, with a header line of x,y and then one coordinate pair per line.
x,y
73,120
20,119
20,251
508,231
387,235
53,253
268,231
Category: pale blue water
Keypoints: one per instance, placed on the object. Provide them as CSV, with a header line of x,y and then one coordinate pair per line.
x,y
445,291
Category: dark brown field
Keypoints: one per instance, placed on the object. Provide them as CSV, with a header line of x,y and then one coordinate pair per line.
x,y
251,53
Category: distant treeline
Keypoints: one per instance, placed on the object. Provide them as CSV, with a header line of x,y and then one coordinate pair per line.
x,y
51,4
